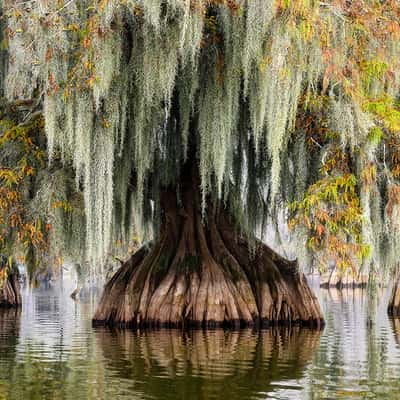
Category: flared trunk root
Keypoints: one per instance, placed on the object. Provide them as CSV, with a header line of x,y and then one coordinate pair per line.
x,y
201,273
206,277
10,291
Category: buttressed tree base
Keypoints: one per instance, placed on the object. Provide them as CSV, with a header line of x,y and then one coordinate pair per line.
x,y
10,291
200,272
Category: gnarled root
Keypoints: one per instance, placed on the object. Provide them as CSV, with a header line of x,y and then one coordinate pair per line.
x,y
394,302
202,274
10,291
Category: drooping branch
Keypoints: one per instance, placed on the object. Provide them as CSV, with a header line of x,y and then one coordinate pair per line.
x,y
268,97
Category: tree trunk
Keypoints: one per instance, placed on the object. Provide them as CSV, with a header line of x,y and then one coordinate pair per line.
x,y
201,273
343,279
394,302
10,291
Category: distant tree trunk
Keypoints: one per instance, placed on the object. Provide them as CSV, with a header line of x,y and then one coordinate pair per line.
x,y
394,302
10,290
343,279
201,273
80,281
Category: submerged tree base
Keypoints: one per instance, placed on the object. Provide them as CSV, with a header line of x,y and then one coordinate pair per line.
x,y
10,291
394,302
200,273
343,280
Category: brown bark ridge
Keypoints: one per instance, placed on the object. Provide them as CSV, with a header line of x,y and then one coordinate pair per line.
x,y
394,302
10,291
200,273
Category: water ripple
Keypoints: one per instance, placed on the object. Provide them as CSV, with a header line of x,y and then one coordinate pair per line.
x,y
51,351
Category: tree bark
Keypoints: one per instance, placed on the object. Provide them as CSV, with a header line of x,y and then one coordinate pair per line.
x,y
10,291
394,302
201,273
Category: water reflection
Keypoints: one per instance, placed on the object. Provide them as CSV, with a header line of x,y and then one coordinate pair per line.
x,y
50,351
208,365
396,329
9,331
358,357
9,325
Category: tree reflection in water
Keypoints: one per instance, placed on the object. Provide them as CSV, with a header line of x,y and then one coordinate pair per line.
x,y
199,364
396,329
51,351
9,332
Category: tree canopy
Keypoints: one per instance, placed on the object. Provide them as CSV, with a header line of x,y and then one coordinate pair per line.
x,y
288,102
33,196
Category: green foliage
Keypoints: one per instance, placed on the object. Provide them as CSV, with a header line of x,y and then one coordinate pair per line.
x,y
375,135
330,209
35,212
260,93
387,110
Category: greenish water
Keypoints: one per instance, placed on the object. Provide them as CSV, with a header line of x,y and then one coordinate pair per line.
x,y
50,351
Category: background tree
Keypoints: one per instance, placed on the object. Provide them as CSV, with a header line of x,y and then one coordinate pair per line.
x,y
203,119
33,196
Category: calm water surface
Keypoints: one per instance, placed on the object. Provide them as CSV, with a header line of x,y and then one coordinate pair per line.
x,y
50,351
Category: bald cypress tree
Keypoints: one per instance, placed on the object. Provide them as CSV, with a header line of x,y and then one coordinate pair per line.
x,y
34,196
198,122
10,295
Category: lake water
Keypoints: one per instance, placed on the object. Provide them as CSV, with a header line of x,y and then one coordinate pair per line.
x,y
49,350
